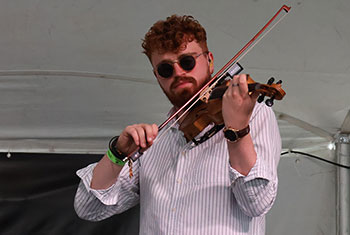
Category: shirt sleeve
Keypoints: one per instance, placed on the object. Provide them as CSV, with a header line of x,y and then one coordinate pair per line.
x,y
256,192
96,205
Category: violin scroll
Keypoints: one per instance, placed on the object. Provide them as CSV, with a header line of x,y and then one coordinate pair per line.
x,y
270,89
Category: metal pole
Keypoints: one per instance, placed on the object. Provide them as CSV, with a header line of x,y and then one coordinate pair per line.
x,y
343,206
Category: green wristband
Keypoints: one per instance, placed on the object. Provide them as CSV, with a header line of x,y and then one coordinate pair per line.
x,y
114,159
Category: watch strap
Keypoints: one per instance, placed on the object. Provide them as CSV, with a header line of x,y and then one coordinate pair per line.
x,y
234,135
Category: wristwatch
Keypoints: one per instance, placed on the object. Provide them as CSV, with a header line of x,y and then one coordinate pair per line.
x,y
233,135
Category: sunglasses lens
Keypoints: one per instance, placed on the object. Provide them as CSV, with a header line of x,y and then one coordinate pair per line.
x,y
187,62
165,70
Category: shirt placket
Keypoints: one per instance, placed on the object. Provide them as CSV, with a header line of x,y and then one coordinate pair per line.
x,y
176,208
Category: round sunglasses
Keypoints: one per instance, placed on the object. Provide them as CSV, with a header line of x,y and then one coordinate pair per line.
x,y
186,62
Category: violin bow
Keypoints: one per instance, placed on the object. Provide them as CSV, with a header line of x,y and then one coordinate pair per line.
x,y
229,68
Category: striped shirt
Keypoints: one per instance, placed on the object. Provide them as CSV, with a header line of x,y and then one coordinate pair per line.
x,y
188,189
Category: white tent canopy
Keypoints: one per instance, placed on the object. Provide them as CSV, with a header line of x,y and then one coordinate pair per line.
x,y
72,73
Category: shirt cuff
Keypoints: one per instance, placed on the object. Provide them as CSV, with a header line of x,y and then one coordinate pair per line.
x,y
107,196
259,170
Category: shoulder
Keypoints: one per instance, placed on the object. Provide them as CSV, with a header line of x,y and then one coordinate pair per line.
x,y
261,110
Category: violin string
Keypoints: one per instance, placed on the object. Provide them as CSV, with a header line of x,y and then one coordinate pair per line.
x,y
212,85
177,119
183,114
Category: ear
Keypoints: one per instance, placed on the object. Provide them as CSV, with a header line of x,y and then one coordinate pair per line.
x,y
211,62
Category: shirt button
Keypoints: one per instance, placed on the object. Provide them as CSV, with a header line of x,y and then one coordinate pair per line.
x,y
178,181
173,209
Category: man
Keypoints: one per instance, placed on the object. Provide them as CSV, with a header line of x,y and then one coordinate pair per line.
x,y
221,186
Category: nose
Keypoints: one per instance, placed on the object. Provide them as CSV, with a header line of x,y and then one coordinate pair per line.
x,y
178,71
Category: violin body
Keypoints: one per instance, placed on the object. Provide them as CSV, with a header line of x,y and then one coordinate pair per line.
x,y
210,111
202,116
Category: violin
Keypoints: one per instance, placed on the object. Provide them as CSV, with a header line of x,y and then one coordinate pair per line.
x,y
209,110
204,107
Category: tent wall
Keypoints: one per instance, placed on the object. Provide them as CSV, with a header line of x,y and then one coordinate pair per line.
x,y
37,193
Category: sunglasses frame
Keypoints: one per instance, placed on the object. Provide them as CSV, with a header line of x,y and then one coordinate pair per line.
x,y
178,61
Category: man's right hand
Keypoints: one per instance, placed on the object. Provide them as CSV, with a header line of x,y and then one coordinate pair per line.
x,y
137,136
133,137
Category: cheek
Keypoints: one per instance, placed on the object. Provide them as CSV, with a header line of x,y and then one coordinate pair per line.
x,y
164,84
204,76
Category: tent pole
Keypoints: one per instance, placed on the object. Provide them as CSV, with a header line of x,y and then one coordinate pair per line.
x,y
343,179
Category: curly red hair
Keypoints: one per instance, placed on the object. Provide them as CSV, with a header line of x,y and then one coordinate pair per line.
x,y
170,34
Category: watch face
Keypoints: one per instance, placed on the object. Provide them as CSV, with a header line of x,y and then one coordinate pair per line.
x,y
231,135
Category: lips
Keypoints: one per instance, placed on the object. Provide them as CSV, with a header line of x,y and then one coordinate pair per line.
x,y
182,82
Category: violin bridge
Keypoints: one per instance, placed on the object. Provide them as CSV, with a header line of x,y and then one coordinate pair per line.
x,y
205,95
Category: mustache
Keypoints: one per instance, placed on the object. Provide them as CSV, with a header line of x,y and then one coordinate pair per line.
x,y
179,80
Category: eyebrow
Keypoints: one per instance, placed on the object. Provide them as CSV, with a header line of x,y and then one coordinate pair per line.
x,y
178,58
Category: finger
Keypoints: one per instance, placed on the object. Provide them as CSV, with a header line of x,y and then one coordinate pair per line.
x,y
235,85
228,91
229,88
243,86
141,131
155,130
149,137
137,133
254,95
132,131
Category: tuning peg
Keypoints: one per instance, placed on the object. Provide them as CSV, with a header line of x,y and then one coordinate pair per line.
x,y
261,98
279,82
269,102
271,80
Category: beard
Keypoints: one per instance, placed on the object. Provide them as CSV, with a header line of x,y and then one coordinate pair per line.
x,y
179,98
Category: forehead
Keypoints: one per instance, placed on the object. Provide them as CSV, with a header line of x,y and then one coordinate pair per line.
x,y
188,47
